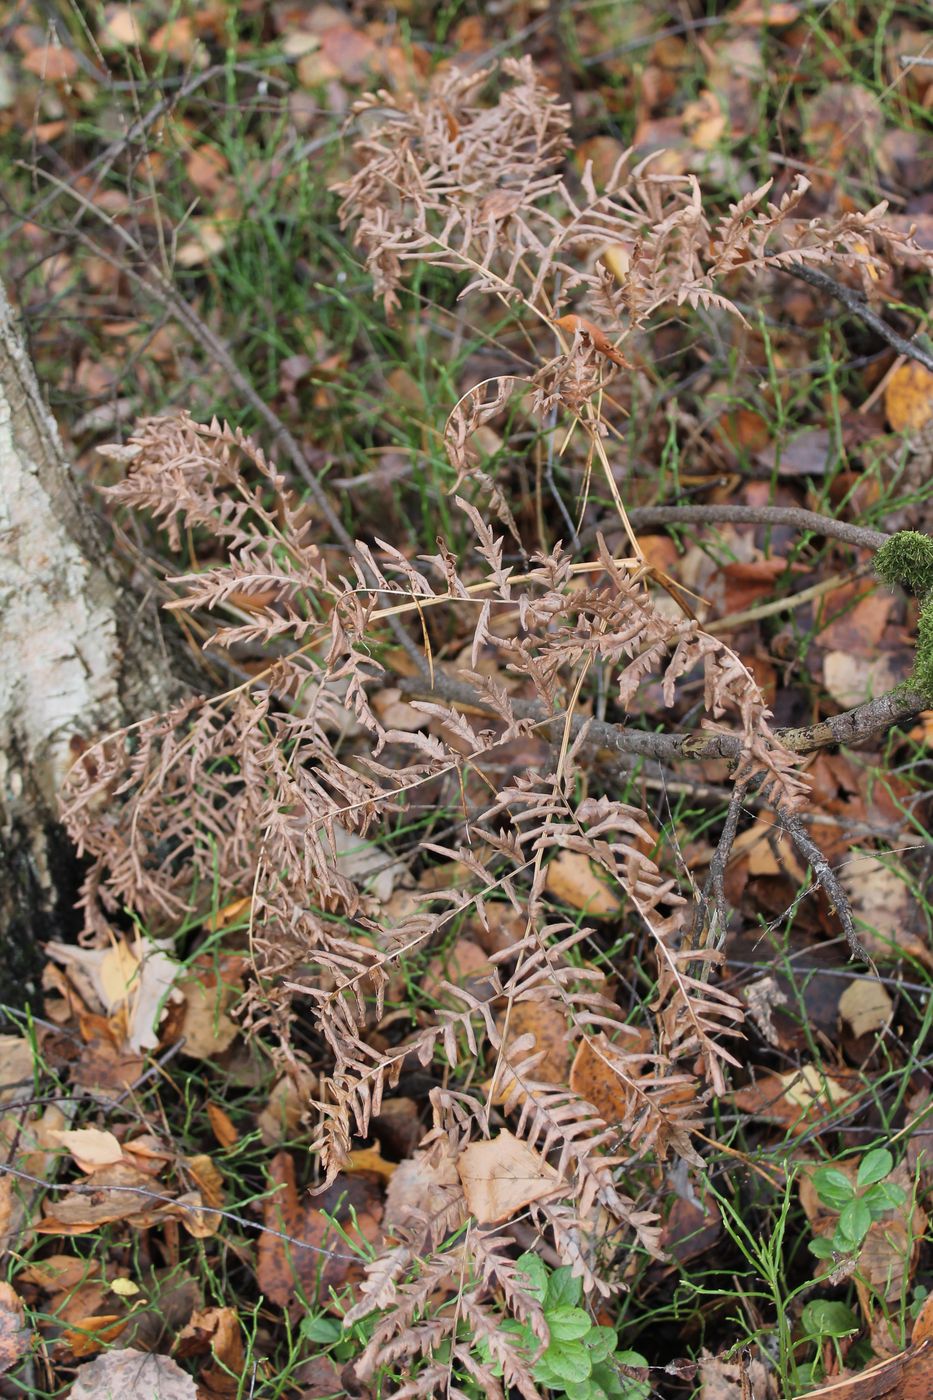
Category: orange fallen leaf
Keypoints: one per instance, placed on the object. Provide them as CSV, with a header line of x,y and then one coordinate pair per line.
x,y
90,1334
221,1125
370,1159
908,397
51,63
572,878
229,913
597,338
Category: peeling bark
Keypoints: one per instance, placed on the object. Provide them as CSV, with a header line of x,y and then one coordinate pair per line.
x,y
75,661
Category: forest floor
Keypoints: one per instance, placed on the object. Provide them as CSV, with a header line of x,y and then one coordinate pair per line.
x,y
170,234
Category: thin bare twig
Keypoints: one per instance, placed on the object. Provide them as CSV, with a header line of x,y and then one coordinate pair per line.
x,y
90,1189
711,914
828,881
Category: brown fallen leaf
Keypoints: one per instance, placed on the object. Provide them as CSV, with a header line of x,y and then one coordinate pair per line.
x,y
15,1336
851,680
16,1068
907,1376
735,1380
887,915
547,1022
503,1175
121,1192
121,28
314,1258
177,38
52,63
425,1184
119,1375
206,1025
136,979
217,1332
289,1100
866,1005
771,12
795,1100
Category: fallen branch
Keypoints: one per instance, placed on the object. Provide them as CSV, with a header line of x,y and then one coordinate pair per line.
x,y
850,727
859,307
643,517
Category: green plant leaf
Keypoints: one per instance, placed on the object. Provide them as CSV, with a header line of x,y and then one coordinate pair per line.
x,y
567,1324
854,1220
822,1248
833,1187
567,1361
321,1329
535,1270
563,1290
586,1390
629,1388
601,1342
885,1196
874,1166
824,1318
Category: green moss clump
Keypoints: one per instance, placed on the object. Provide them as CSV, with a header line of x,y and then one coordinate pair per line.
x,y
923,665
907,559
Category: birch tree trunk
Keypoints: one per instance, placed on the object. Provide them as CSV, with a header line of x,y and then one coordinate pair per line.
x,y
75,662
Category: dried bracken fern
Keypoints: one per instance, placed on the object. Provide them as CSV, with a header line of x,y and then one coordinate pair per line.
x,y
252,793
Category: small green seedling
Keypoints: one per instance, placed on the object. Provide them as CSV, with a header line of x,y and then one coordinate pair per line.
x,y
858,1205
821,1321
580,1360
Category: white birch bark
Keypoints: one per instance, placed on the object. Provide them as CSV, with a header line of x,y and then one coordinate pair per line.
x,y
74,661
